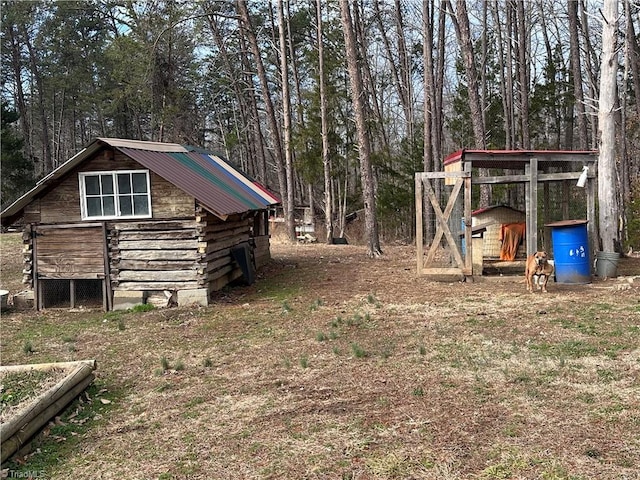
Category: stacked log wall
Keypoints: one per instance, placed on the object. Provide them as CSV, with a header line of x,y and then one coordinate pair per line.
x,y
27,257
181,254
220,238
156,255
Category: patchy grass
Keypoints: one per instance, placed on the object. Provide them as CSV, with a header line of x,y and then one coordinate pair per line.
x,y
17,389
308,374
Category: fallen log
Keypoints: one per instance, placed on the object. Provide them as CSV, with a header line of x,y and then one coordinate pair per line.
x,y
45,366
19,429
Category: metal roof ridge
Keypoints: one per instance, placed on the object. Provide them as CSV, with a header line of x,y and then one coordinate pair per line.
x,y
143,145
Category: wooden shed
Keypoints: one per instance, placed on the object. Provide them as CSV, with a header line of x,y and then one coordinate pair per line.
x,y
127,220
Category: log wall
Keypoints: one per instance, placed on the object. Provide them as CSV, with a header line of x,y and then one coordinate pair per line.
x,y
155,255
181,254
219,238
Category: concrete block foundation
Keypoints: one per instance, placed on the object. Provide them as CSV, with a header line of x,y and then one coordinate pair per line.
x,y
124,300
196,296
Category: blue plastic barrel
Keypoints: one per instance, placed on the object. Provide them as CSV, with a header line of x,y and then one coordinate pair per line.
x,y
571,251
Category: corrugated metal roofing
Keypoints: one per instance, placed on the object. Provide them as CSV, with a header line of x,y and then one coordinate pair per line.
x,y
221,188
518,158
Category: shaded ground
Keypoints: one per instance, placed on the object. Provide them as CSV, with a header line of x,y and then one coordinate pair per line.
x,y
336,366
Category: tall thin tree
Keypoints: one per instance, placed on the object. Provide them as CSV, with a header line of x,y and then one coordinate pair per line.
x,y
286,128
364,148
324,126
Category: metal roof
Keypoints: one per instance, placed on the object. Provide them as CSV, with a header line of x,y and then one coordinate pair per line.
x,y
218,186
515,159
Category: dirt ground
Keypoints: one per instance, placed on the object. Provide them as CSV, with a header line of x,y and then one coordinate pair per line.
x,y
334,365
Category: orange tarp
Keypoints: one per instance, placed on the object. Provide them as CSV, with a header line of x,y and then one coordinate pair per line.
x,y
511,235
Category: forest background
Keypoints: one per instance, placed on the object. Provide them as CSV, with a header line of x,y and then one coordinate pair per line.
x,y
267,85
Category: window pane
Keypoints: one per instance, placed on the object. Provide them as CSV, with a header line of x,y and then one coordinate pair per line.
x,y
109,205
124,183
140,205
94,207
92,185
125,205
107,184
139,182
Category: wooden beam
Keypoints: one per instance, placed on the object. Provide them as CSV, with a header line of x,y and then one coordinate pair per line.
x,y
523,178
419,219
532,208
468,242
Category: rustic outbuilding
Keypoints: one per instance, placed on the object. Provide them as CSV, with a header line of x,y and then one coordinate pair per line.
x,y
552,185
126,221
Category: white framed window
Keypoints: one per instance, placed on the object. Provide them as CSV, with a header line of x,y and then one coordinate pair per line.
x,y
116,194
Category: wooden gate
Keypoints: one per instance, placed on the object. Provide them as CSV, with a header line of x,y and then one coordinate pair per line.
x,y
69,252
460,261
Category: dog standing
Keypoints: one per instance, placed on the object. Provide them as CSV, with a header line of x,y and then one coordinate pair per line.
x,y
538,266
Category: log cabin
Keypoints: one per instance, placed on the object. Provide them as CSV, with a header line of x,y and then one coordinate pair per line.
x,y
126,221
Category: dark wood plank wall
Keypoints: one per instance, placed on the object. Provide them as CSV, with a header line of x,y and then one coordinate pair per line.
x,y
62,203
70,252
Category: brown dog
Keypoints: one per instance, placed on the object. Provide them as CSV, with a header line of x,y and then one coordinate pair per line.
x,y
538,266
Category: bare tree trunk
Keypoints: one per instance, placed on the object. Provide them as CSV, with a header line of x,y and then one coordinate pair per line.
x,y
364,149
245,21
47,160
523,74
256,125
429,95
16,64
371,99
510,76
405,73
438,113
608,210
576,70
503,77
460,20
433,82
461,23
630,63
326,159
591,59
286,113
396,71
634,53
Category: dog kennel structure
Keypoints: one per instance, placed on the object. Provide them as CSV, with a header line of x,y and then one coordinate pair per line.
x,y
543,182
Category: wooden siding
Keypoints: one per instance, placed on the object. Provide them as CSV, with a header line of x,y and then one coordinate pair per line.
x,y
62,204
73,252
